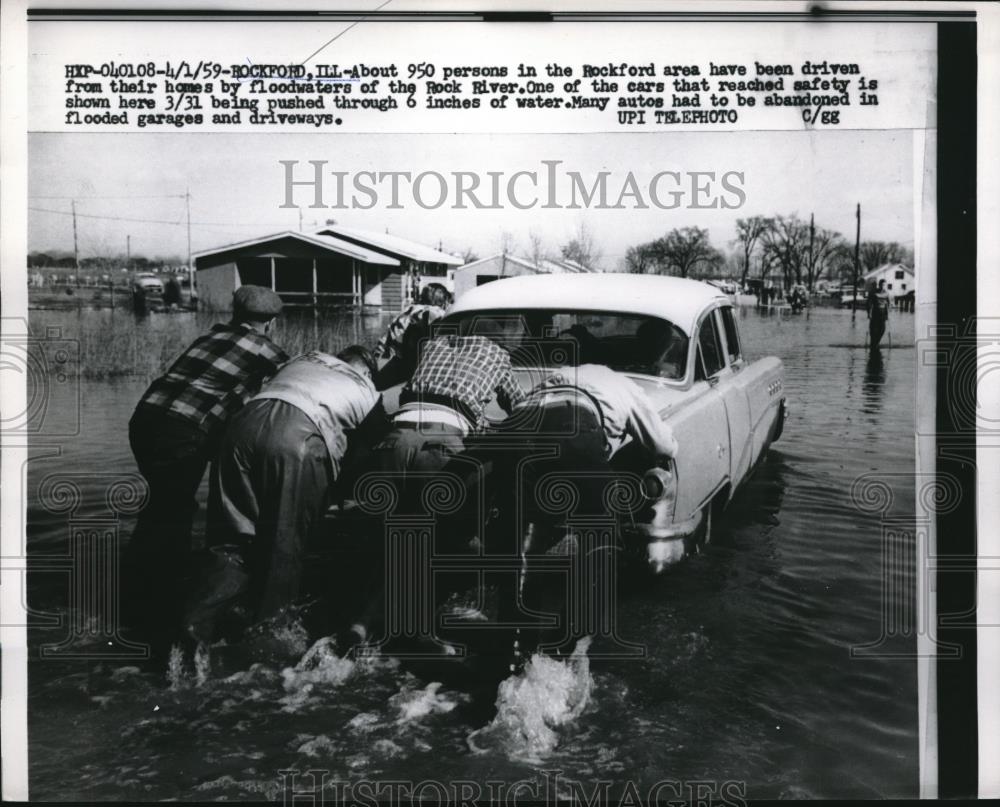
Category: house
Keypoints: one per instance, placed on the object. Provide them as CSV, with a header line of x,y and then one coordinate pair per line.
x,y
505,265
899,280
334,266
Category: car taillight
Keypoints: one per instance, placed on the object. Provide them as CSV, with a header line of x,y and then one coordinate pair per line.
x,y
658,484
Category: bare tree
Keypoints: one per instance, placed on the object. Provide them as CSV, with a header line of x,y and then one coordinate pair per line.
x,y
749,232
641,259
786,244
536,248
682,250
825,247
468,255
878,253
506,243
582,248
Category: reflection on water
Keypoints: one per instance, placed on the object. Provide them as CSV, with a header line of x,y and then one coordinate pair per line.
x,y
748,674
874,382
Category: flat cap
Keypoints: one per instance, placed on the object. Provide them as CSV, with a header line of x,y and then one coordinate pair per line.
x,y
256,303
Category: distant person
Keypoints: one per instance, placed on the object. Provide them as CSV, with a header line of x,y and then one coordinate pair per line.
x,y
175,432
877,306
279,460
401,342
172,293
139,304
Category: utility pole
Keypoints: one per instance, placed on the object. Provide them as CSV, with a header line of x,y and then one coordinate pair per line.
x,y
187,202
857,250
812,234
76,251
128,251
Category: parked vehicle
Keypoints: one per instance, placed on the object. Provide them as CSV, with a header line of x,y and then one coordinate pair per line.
x,y
725,286
724,409
148,282
848,299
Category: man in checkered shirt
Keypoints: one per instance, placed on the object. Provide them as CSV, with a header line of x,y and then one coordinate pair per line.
x,y
174,433
445,401
401,342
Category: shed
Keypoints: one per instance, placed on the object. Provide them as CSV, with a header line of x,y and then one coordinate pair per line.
x,y
504,265
419,264
306,270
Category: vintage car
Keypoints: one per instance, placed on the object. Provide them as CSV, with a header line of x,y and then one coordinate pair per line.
x,y
724,408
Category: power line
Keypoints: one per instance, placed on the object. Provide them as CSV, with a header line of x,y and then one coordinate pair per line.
x,y
93,216
88,198
177,223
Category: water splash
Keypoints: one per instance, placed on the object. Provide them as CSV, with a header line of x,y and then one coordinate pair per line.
x,y
176,674
549,694
319,667
202,664
414,704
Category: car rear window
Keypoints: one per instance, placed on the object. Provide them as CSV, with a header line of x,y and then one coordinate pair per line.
x,y
552,337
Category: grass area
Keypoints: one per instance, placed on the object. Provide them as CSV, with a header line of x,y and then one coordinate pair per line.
x,y
121,345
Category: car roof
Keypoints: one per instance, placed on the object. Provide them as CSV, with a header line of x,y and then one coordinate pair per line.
x,y
678,300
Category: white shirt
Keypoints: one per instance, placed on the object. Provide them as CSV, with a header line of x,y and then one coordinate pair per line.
x,y
331,393
626,408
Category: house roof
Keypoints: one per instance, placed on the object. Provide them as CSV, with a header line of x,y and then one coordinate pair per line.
x,y
393,243
888,267
524,263
544,266
679,300
556,265
329,242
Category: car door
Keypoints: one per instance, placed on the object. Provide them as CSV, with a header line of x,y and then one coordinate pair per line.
x,y
700,426
733,386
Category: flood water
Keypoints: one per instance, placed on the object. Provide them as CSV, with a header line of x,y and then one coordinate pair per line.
x,y
748,676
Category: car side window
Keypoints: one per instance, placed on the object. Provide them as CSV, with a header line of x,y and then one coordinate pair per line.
x,y
732,335
709,348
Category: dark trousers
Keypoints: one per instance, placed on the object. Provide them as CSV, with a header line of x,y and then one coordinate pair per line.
x,y
172,455
540,498
876,327
411,457
274,477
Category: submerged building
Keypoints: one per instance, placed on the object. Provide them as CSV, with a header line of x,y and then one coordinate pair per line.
x,y
333,266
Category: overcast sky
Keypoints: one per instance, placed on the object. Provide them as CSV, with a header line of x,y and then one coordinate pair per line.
x,y
237,186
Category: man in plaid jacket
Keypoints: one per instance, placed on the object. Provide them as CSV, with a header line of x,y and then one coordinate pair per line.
x,y
445,402
175,432
401,342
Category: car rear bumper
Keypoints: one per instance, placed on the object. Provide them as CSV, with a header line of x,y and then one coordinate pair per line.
x,y
664,545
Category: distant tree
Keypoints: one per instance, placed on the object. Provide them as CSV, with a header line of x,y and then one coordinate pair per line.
x,y
506,243
582,248
468,255
878,253
38,259
785,243
749,232
536,248
825,247
641,259
683,250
